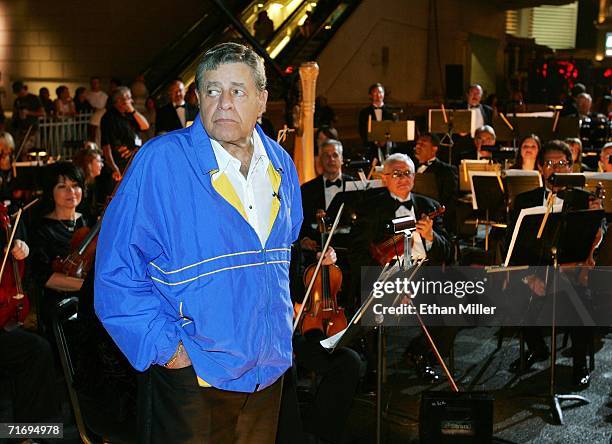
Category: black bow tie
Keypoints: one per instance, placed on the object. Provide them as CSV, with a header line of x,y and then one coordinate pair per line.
x,y
407,204
377,107
474,106
179,106
329,183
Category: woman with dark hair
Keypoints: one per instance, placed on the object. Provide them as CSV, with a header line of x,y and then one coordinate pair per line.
x,y
81,104
527,154
575,144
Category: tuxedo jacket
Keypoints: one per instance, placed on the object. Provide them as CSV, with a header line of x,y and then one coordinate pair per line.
x,y
363,120
375,215
168,120
486,110
447,181
313,199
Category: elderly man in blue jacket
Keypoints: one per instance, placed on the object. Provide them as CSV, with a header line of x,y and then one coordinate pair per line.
x,y
193,259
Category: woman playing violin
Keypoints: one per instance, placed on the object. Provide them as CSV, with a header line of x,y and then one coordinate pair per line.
x,y
62,194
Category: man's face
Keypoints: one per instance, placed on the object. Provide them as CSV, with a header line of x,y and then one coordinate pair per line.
x,y
123,103
230,102
377,95
484,139
584,105
44,94
605,159
331,160
398,177
424,149
474,96
95,84
177,92
554,162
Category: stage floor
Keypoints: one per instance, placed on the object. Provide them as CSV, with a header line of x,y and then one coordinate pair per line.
x,y
521,412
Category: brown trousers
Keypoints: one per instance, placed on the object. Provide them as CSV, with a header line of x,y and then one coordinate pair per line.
x,y
173,408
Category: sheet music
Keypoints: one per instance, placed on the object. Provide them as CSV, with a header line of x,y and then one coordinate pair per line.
x,y
524,173
480,173
526,212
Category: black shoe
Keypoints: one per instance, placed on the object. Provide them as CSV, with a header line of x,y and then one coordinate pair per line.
x,y
581,377
531,359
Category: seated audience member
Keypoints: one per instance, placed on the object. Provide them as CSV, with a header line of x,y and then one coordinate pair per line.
x,y
45,98
81,104
64,106
527,154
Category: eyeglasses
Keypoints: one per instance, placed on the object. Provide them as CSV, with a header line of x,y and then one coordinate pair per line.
x,y
557,164
396,174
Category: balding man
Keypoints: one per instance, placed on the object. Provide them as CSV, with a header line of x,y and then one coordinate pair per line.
x,y
177,112
484,113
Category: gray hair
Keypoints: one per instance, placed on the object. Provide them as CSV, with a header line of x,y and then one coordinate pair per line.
x,y
485,129
118,93
399,157
224,53
7,139
335,143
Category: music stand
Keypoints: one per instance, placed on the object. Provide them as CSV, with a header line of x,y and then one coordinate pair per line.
x,y
567,237
391,131
448,121
521,181
468,165
488,195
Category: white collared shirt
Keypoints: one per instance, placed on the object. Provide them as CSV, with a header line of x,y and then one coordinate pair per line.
x,y
418,247
330,192
558,200
180,112
255,191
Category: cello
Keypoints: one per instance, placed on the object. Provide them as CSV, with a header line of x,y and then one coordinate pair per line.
x,y
321,311
14,304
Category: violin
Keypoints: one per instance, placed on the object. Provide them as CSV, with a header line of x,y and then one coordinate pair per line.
x,y
383,252
84,242
322,311
14,304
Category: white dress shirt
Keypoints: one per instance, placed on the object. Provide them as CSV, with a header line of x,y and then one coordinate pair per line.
x,y
255,191
330,192
418,247
180,112
479,123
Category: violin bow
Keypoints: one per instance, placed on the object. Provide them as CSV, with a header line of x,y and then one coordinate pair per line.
x,y
10,242
318,267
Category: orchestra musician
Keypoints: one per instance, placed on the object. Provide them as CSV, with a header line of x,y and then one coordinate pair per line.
x,y
375,112
430,240
447,180
575,144
527,154
554,157
605,158
89,159
192,264
7,148
319,192
62,193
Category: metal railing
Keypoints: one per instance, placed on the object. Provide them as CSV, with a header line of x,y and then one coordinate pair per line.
x,y
60,137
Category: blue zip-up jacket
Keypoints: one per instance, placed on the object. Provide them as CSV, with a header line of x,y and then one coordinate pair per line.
x,y
176,260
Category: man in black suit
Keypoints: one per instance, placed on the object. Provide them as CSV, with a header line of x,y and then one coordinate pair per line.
x,y
318,193
176,114
554,157
484,113
447,180
375,112
430,240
